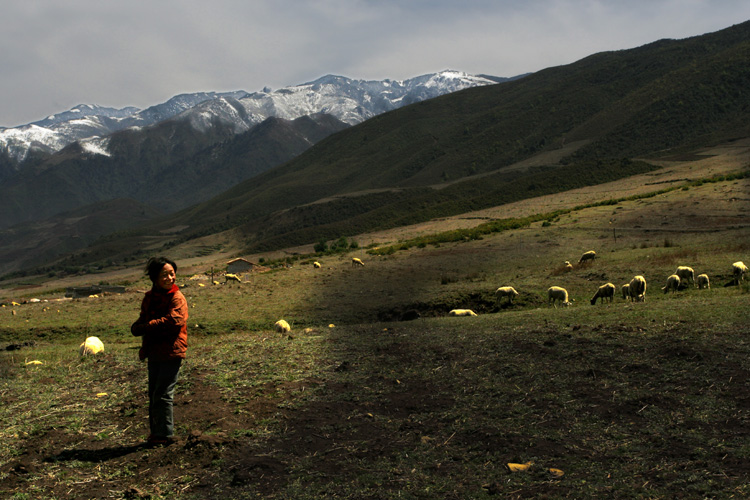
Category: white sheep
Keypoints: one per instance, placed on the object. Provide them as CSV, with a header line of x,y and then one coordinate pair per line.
x,y
92,345
506,291
673,284
626,291
357,262
686,274
231,277
702,281
637,289
590,255
738,272
606,291
568,266
556,293
282,326
316,264
461,312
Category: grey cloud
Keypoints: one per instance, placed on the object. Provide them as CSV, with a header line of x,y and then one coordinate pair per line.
x,y
141,52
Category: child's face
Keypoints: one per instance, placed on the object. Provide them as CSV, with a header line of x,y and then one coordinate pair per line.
x,y
166,277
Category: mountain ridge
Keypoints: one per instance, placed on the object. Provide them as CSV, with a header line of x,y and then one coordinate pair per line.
x,y
350,100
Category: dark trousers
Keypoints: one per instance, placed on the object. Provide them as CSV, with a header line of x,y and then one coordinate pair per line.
x,y
162,378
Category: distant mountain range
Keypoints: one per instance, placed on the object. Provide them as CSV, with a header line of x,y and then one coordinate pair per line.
x,y
350,101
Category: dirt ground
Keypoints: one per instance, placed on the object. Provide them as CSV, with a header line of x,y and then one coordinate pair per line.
x,y
215,459
212,437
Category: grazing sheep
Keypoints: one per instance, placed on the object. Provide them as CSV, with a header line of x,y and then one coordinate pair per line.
x,y
673,284
606,291
637,289
316,264
282,326
231,277
92,345
556,293
686,274
626,291
462,312
506,291
590,255
738,272
702,281
568,266
357,262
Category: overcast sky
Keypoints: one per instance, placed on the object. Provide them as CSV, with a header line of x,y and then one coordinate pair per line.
x,y
55,54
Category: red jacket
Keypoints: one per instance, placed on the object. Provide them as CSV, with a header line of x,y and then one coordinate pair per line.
x,y
162,324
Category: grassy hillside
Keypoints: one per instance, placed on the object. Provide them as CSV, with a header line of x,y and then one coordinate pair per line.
x,y
627,400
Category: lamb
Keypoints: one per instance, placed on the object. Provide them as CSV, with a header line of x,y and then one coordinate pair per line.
x,y
702,282
673,284
316,264
626,291
556,293
738,271
506,291
686,274
462,312
637,289
590,255
231,277
568,266
92,345
357,262
282,326
606,291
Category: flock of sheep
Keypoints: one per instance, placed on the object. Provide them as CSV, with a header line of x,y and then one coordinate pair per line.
x,y
635,290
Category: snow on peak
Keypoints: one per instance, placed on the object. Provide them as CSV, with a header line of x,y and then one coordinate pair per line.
x,y
351,101
96,146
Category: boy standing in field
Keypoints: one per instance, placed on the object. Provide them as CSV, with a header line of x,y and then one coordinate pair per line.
x,y
163,326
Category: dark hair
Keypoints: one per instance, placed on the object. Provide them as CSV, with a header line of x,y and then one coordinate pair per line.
x,y
155,265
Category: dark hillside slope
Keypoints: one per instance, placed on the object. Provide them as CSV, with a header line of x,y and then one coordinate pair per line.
x,y
688,92
36,244
706,100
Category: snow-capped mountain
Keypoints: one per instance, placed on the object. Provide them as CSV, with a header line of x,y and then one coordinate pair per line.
x,y
351,101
